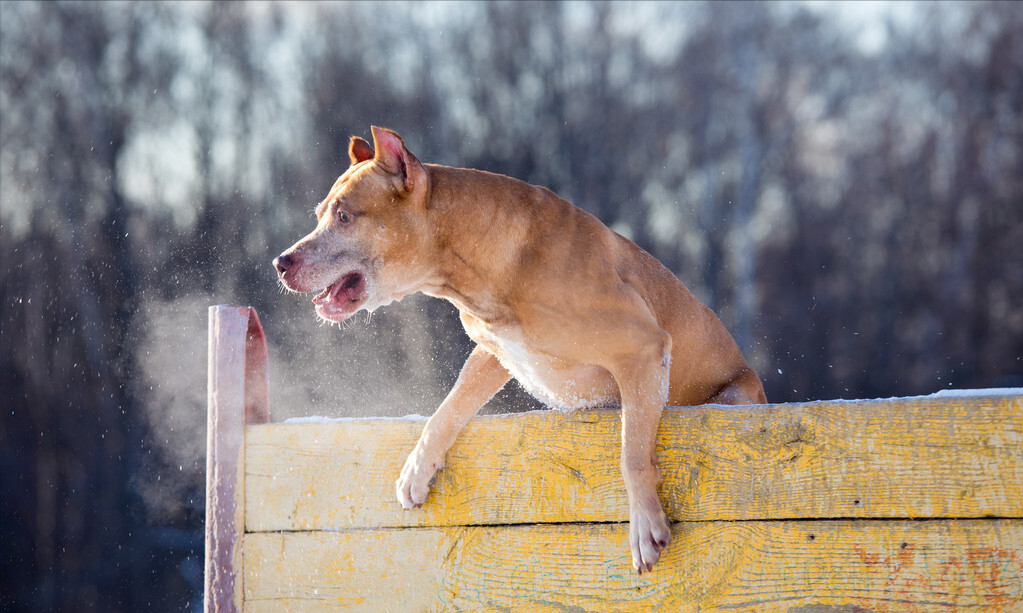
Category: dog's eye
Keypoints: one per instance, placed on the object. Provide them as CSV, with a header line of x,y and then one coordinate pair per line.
x,y
344,216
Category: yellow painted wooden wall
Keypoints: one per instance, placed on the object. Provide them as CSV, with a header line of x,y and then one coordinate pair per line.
x,y
905,505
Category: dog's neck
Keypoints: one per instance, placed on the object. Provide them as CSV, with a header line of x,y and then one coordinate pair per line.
x,y
470,264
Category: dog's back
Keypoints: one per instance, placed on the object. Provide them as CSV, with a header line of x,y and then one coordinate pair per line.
x,y
535,253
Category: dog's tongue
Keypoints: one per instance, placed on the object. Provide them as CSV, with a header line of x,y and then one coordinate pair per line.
x,y
348,288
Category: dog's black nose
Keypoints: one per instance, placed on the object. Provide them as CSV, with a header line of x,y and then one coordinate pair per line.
x,y
282,263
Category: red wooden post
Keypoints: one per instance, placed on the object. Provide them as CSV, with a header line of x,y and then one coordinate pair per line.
x,y
237,395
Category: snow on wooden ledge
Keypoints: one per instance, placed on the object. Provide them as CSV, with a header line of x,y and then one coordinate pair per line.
x,y
906,504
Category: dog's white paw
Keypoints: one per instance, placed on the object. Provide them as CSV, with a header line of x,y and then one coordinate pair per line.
x,y
413,485
649,533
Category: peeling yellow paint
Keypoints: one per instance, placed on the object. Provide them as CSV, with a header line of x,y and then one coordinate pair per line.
x,y
833,506
910,458
881,566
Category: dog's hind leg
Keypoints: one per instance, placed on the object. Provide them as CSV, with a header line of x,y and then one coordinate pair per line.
x,y
481,378
745,388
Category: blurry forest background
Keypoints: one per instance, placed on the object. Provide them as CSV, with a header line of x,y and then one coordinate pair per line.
x,y
847,194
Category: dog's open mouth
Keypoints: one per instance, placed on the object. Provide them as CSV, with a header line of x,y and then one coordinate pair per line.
x,y
342,297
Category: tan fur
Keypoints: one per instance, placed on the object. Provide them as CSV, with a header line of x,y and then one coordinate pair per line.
x,y
581,316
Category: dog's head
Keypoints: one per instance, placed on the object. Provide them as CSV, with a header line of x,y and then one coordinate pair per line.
x,y
367,248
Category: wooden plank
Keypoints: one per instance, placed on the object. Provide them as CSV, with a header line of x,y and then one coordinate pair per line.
x,y
903,458
236,394
836,566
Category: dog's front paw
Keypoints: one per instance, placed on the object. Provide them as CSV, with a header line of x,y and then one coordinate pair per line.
x,y
649,533
413,485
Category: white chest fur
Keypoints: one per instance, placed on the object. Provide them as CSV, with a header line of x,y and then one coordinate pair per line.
x,y
557,382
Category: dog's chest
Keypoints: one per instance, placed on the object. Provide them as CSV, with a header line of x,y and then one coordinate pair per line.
x,y
559,383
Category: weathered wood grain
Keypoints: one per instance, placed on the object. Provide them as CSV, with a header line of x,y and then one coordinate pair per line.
x,y
956,457
837,566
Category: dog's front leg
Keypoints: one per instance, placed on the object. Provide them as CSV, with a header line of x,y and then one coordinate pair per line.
x,y
643,383
481,378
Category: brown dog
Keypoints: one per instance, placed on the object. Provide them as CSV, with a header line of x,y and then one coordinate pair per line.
x,y
581,316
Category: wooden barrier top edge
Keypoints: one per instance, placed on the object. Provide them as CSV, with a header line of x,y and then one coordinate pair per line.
x,y
1007,396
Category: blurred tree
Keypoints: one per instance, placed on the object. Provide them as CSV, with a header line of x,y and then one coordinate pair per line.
x,y
69,306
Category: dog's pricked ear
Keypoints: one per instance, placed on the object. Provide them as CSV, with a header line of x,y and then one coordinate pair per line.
x,y
392,155
359,150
